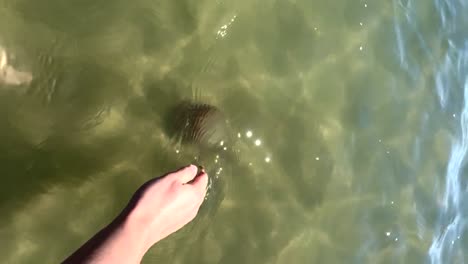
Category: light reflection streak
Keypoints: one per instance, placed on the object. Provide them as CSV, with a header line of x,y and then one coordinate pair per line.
x,y
222,32
399,38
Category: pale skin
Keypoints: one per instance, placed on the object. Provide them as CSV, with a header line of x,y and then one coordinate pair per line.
x,y
159,208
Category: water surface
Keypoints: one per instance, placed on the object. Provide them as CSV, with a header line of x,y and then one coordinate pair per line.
x,y
347,131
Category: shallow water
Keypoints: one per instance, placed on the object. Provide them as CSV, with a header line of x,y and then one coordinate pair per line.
x,y
347,133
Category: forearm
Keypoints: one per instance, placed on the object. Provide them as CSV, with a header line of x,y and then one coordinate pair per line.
x,y
159,208
122,241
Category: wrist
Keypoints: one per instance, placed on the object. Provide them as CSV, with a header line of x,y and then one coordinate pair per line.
x,y
135,228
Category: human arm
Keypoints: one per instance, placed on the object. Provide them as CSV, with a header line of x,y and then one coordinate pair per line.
x,y
159,208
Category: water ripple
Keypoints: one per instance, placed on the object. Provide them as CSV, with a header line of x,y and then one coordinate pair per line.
x,y
452,222
451,88
447,246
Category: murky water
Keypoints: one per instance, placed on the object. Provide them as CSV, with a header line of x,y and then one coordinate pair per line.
x,y
347,126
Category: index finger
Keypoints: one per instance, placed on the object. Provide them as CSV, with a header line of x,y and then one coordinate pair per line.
x,y
185,174
200,182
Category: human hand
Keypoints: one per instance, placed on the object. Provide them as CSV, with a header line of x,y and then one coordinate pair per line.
x,y
159,208
164,205
10,75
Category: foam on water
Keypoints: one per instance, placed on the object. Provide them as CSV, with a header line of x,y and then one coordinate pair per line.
x,y
452,218
449,65
447,246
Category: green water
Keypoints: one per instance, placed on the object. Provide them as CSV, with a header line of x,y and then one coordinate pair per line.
x,y
346,126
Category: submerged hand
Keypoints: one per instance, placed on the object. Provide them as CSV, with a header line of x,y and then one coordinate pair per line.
x,y
167,204
159,208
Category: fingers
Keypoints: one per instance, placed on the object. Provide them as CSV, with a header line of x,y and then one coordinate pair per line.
x,y
200,182
189,177
185,174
